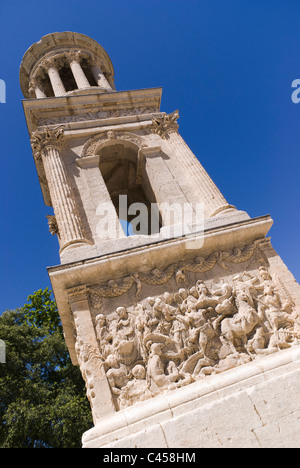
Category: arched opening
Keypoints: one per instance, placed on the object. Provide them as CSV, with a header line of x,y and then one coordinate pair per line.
x,y
68,78
88,73
130,192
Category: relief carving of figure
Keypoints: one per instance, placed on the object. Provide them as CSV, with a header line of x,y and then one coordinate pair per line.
x,y
164,342
137,389
270,304
242,324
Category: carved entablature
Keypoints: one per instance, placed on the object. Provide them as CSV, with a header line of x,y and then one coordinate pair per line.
x,y
158,277
95,115
201,327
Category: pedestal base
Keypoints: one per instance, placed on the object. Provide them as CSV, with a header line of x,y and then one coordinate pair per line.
x,y
254,405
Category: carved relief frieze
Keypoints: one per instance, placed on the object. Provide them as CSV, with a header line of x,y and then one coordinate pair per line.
x,y
161,342
174,339
86,116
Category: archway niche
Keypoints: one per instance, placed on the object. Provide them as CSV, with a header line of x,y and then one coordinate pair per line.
x,y
129,188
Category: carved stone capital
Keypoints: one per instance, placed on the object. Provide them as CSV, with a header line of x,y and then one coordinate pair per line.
x,y
35,81
52,223
52,62
94,61
73,55
165,124
48,137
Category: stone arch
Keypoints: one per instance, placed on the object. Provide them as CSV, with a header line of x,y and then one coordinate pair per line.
x,y
93,146
123,171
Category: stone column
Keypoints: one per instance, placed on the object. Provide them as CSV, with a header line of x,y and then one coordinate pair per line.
x,y
99,76
35,86
203,189
88,355
51,68
169,196
102,211
79,75
46,145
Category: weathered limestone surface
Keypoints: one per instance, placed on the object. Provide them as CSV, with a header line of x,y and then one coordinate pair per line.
x,y
185,338
254,406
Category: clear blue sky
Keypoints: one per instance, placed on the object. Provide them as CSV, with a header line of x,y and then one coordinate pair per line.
x,y
227,65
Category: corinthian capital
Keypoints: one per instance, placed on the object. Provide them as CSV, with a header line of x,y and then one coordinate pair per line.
x,y
164,124
35,81
73,55
48,137
52,62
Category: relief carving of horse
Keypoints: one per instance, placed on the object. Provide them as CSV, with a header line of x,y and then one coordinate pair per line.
x,y
242,323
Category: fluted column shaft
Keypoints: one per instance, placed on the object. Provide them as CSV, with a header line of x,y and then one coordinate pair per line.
x,y
169,196
37,88
50,66
100,78
56,82
47,144
60,193
204,186
79,76
39,93
78,73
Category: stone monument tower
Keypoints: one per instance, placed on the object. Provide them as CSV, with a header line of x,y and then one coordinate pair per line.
x,y
187,331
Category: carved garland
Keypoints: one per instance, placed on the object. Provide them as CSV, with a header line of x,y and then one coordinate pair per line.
x,y
158,277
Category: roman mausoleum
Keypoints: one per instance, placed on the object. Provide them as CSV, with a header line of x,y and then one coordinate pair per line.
x,y
184,320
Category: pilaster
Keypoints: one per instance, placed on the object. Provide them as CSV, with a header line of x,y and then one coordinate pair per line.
x,y
47,145
203,188
87,349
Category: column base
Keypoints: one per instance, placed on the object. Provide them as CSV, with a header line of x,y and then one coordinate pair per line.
x,y
75,243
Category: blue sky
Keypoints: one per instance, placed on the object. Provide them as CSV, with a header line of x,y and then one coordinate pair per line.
x,y
227,65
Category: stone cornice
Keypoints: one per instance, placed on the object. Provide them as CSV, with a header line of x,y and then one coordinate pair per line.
x,y
77,109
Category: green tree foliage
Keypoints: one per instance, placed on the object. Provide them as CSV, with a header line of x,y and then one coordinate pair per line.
x,y
42,395
41,311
